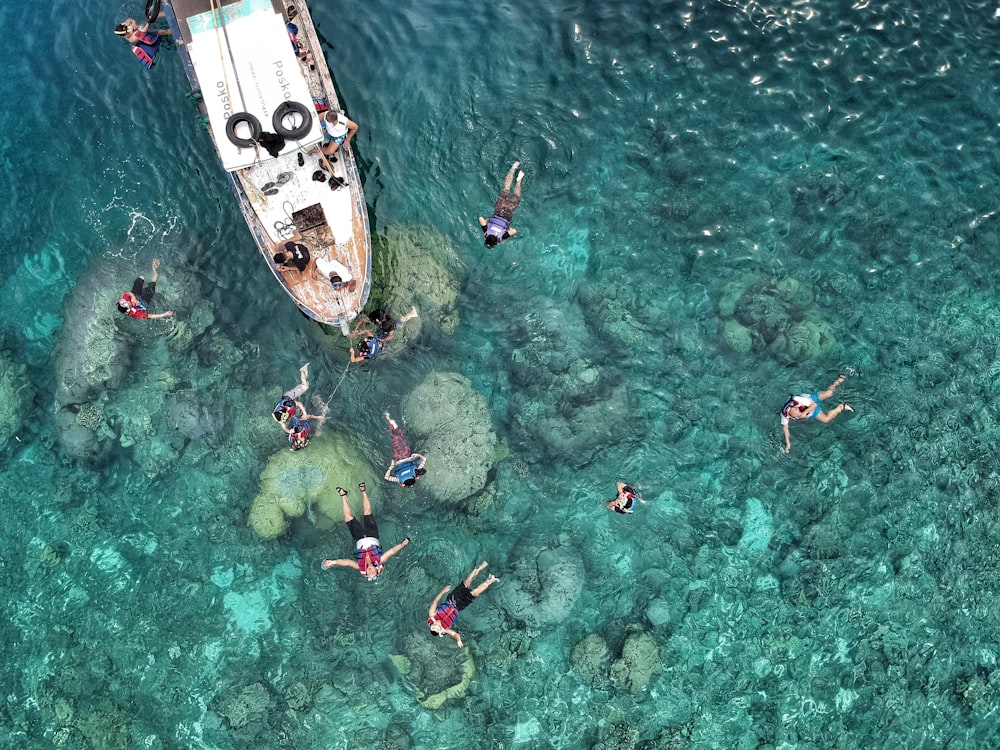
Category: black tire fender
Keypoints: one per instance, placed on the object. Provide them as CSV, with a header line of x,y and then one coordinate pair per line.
x,y
249,119
152,10
287,108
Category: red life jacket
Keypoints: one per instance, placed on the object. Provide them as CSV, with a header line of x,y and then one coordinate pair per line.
x,y
367,555
445,615
146,47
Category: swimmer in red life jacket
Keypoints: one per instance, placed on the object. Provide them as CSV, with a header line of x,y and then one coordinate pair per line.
x,y
369,559
626,498
441,617
136,303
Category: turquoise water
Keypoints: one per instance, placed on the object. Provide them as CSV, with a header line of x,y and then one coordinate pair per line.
x,y
724,203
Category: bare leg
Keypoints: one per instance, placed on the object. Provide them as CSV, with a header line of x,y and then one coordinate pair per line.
x,y
391,421
156,267
475,571
368,503
517,187
485,585
348,516
409,316
304,376
509,180
828,393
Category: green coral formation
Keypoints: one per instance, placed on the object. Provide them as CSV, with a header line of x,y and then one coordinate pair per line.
x,y
590,658
414,264
292,481
639,663
434,678
778,314
452,419
247,705
16,395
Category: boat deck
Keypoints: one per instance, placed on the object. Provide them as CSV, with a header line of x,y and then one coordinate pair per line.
x,y
278,196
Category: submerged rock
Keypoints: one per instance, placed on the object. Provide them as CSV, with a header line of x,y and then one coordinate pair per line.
x,y
16,396
543,589
435,675
451,420
292,480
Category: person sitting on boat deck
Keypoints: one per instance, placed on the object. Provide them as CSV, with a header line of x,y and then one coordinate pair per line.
x,y
369,559
145,43
440,617
136,303
625,499
338,129
807,406
300,428
293,36
406,467
291,255
286,408
497,228
337,273
384,324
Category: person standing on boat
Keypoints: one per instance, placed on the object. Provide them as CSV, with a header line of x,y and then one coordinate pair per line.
x,y
369,559
293,36
286,408
807,406
440,617
497,228
136,303
406,467
145,43
338,130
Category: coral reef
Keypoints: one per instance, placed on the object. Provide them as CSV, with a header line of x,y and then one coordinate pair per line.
x,y
414,264
292,481
16,396
778,314
591,658
445,416
544,587
436,677
246,705
638,664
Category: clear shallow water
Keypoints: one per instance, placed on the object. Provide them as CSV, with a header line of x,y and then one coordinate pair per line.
x,y
839,596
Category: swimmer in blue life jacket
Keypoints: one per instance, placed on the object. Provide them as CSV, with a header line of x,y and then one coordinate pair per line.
x,y
626,498
406,467
285,409
497,228
441,617
369,559
807,406
145,43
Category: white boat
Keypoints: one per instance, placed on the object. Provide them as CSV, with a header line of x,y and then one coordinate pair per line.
x,y
248,79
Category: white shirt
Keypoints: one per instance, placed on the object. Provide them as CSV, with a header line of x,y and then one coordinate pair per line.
x,y
326,267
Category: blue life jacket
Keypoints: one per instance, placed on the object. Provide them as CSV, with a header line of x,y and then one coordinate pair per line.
x,y
407,470
146,48
496,227
293,36
374,348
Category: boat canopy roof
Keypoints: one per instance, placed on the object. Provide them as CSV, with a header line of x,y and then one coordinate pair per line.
x,y
245,63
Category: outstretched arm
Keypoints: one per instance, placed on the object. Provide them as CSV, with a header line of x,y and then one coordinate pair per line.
x,y
389,476
327,564
390,552
167,314
437,600
788,438
456,636
423,459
